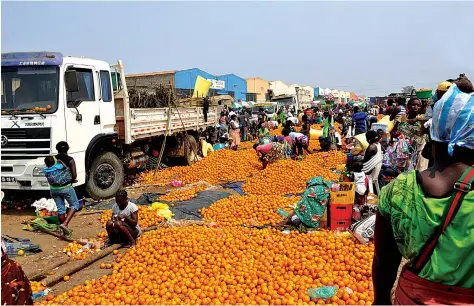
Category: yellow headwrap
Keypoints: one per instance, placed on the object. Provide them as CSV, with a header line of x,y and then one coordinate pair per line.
x,y
444,86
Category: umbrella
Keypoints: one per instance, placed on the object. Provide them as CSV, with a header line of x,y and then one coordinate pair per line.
x,y
236,105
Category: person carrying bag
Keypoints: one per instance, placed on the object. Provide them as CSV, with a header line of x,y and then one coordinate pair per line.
x,y
414,290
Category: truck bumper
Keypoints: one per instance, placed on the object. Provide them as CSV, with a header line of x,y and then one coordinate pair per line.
x,y
23,175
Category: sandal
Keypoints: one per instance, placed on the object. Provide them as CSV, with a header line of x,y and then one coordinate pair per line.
x,y
66,232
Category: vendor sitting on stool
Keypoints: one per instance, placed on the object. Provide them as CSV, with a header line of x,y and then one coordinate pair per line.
x,y
123,227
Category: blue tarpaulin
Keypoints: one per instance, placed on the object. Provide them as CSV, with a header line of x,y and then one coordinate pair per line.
x,y
237,187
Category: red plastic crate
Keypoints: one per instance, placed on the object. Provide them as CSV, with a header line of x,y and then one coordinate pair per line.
x,y
340,224
341,211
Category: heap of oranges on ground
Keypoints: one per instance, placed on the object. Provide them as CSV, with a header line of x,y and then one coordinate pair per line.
x,y
79,251
220,166
183,194
290,177
36,287
232,265
76,250
146,217
249,210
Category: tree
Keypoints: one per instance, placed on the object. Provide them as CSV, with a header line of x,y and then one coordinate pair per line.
x,y
408,89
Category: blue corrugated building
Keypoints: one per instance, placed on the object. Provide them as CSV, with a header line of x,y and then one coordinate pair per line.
x,y
186,79
235,84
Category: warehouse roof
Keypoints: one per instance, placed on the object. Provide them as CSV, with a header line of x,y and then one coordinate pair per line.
x,y
149,74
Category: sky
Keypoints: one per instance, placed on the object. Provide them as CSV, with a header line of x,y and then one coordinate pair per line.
x,y
370,48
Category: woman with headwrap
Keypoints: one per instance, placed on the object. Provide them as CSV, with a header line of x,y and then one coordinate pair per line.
x,y
426,217
412,131
273,151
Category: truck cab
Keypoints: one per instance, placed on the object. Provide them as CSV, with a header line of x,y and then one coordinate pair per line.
x,y
270,109
38,111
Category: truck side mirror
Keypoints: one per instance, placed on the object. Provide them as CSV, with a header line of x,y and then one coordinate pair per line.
x,y
71,81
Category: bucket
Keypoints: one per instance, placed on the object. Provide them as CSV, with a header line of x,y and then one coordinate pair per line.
x,y
424,94
315,134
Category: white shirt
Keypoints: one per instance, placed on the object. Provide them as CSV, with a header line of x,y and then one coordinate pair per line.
x,y
234,124
128,211
359,181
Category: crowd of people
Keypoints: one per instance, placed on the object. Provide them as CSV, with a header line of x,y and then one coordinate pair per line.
x,y
424,213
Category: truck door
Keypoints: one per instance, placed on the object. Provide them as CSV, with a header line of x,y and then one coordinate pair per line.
x,y
107,107
83,121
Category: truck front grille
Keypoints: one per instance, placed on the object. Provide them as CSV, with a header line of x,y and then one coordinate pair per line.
x,y
25,143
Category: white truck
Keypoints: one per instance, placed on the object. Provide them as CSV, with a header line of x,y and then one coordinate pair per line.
x,y
285,97
47,97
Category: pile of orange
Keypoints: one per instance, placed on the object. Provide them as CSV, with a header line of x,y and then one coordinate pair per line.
x,y
46,213
249,210
290,177
76,250
36,287
276,132
246,145
79,251
198,265
102,234
183,194
223,165
146,217
337,127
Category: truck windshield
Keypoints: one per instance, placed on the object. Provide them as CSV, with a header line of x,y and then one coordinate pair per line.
x,y
30,89
269,109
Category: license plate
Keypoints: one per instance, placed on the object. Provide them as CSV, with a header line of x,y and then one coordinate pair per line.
x,y
7,179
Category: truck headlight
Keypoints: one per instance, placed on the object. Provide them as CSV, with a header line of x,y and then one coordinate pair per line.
x,y
38,171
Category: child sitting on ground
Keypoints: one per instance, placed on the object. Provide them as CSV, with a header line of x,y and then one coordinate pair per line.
x,y
123,227
361,183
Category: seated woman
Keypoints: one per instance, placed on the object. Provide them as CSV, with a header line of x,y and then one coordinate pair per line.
x,y
123,227
273,151
426,217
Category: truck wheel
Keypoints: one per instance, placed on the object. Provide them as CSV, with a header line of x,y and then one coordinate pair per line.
x,y
106,176
190,149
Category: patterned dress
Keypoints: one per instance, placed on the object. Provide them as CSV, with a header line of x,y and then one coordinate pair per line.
x,y
312,205
416,140
16,288
277,152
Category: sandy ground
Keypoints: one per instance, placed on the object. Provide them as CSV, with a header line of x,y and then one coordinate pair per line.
x,y
84,225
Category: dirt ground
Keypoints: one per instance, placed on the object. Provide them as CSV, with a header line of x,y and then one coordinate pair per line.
x,y
84,225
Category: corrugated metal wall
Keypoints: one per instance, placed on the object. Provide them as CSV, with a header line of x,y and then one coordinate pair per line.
x,y
186,79
236,84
